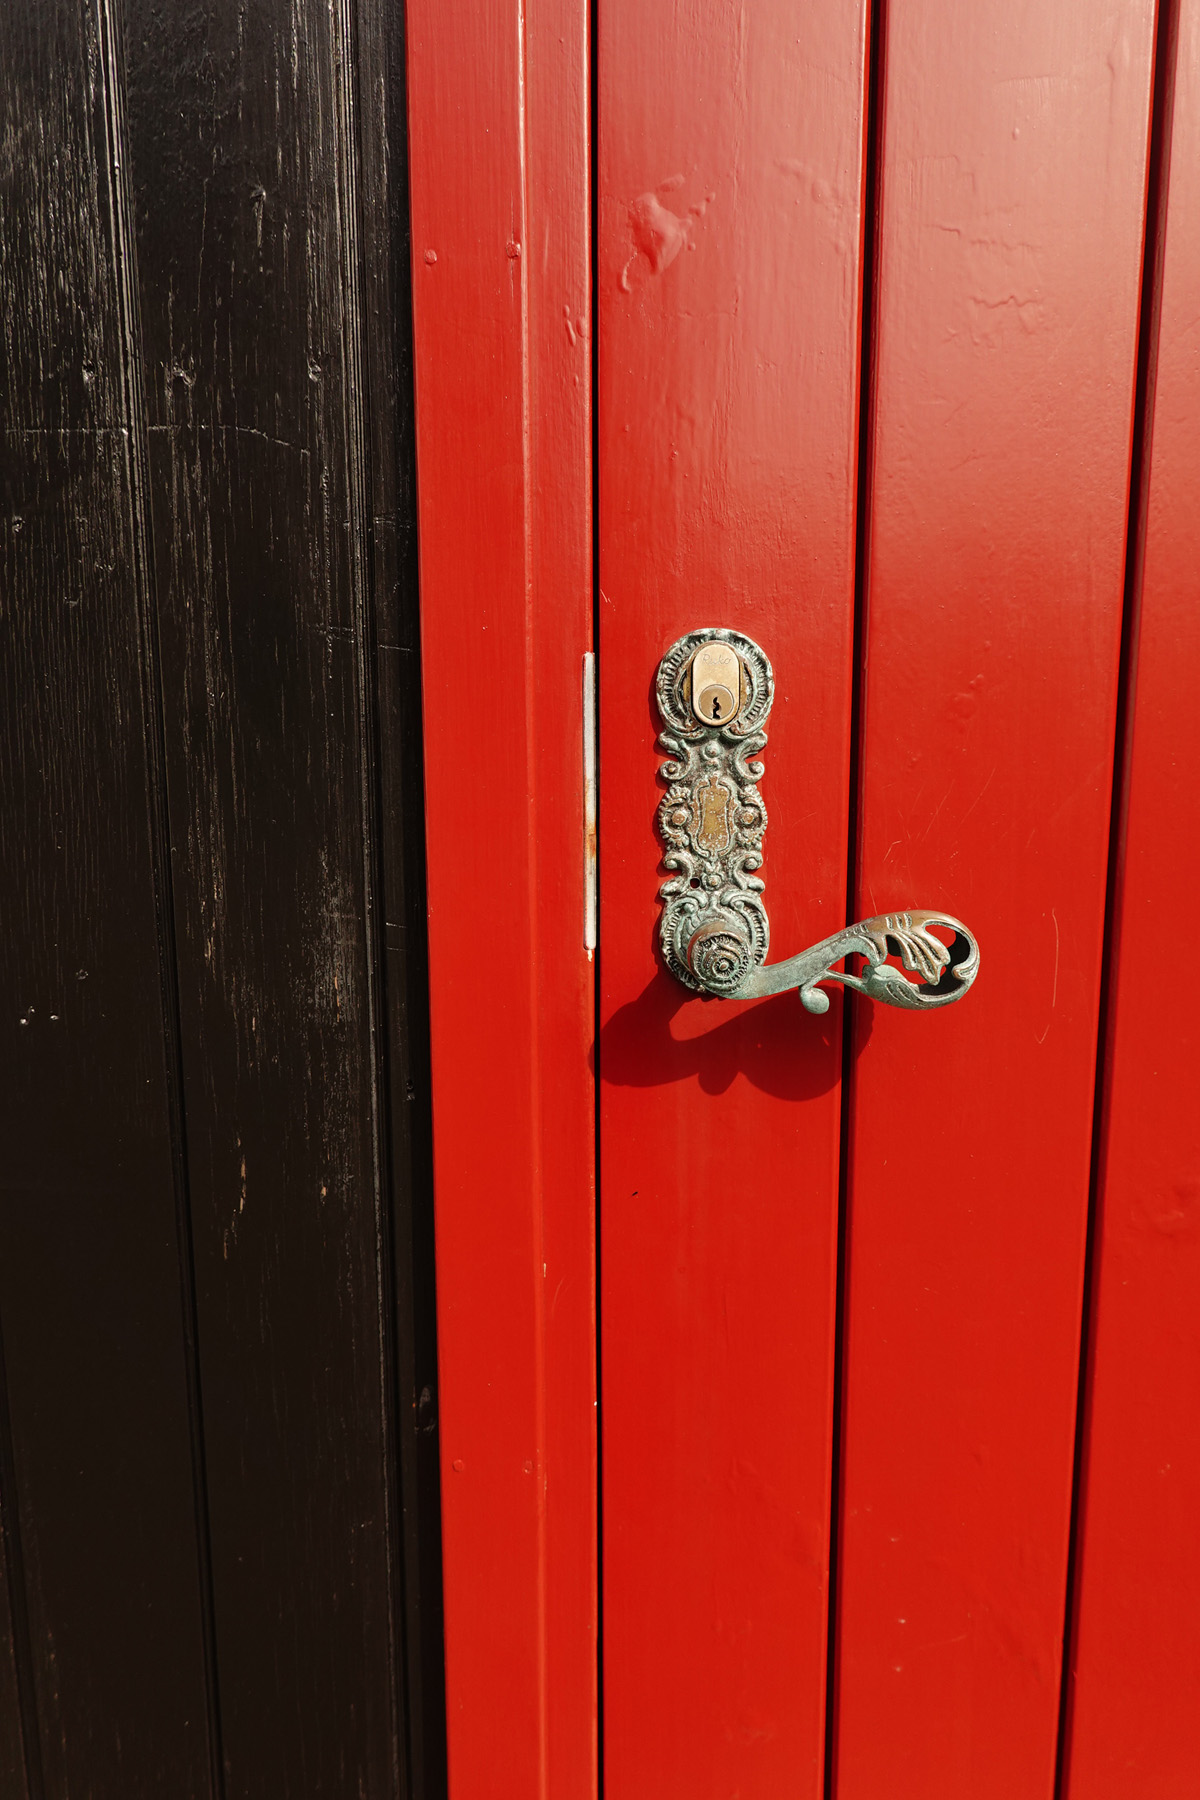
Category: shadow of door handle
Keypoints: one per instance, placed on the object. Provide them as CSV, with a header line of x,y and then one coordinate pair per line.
x,y
714,691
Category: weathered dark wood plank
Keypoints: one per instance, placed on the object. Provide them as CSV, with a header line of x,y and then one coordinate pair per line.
x,y
391,466
244,152
90,1281
12,1762
16,1682
409,1088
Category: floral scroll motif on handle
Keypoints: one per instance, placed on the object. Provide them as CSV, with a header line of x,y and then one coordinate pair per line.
x,y
714,930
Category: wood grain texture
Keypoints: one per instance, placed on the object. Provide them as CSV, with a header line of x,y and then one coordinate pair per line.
x,y
730,196
1134,1725
1013,167
501,278
90,1287
243,144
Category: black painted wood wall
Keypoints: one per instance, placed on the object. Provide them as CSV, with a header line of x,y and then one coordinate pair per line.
x,y
218,1458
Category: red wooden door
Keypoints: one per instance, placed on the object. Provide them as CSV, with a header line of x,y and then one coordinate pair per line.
x,y
782,1490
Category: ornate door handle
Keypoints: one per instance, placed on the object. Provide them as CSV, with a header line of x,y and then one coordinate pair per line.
x,y
715,690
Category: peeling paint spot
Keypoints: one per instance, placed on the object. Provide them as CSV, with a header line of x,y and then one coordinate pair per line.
x,y
658,233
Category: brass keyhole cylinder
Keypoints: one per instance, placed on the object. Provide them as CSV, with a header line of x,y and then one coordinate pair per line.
x,y
716,684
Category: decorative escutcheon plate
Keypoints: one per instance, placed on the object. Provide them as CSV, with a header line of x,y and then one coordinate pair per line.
x,y
715,690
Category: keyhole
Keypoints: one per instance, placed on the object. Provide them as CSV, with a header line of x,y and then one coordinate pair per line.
x,y
716,683
715,704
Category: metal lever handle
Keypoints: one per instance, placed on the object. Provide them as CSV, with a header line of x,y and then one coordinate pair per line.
x,y
714,691
944,972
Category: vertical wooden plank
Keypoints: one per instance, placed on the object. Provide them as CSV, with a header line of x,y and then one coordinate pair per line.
x,y
1134,1722
380,86
1013,145
731,150
560,603
498,124
244,156
19,1749
12,1760
90,1291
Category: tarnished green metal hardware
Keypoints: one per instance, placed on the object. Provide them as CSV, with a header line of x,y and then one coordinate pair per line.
x,y
715,690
